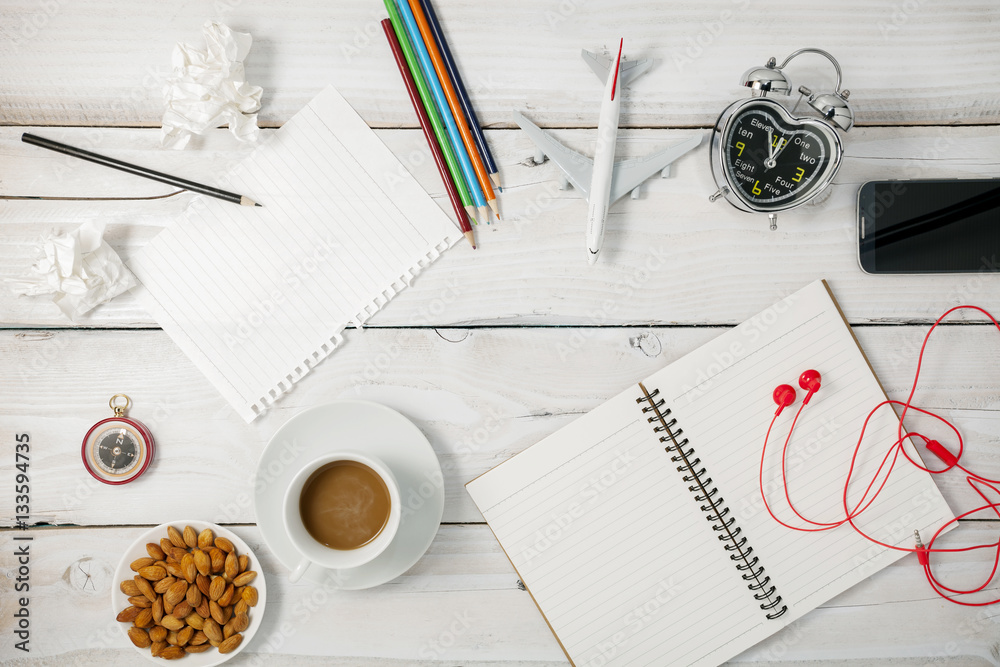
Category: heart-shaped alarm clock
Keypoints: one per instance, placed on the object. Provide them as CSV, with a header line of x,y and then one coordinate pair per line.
x,y
764,158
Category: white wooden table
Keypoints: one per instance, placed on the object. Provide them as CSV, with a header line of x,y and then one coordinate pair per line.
x,y
490,350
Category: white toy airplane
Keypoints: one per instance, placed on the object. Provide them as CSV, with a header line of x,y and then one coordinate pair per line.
x,y
602,180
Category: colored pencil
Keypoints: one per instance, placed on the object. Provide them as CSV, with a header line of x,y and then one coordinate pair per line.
x,y
463,95
442,104
431,109
453,102
136,170
425,124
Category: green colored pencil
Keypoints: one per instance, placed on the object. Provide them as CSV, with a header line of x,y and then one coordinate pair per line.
x,y
431,109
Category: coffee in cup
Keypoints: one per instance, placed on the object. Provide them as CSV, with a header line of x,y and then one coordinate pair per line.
x,y
341,510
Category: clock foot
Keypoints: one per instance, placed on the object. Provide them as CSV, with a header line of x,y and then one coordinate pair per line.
x,y
773,217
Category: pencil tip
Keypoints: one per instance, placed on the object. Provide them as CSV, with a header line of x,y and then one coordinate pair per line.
x,y
256,204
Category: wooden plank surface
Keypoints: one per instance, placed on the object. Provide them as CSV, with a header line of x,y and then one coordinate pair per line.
x,y
670,257
460,605
479,396
103,62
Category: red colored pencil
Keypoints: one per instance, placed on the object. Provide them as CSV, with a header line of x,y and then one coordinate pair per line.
x,y
425,125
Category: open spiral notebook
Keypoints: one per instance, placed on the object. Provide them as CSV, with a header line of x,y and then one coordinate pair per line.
x,y
256,297
640,531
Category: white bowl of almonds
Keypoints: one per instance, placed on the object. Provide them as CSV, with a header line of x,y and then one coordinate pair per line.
x,y
189,590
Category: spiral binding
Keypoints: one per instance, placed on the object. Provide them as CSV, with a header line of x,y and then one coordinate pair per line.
x,y
719,515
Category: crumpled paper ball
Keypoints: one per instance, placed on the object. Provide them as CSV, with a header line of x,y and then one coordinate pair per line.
x,y
209,88
79,269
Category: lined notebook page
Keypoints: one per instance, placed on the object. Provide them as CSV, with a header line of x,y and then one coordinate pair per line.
x,y
258,296
623,564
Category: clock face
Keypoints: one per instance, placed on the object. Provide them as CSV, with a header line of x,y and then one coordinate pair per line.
x,y
772,161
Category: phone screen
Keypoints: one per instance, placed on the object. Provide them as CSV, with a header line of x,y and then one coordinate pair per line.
x,y
947,226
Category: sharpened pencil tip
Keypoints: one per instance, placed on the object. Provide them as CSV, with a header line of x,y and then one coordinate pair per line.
x,y
256,204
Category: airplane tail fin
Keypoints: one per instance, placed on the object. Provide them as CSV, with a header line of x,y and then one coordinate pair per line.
x,y
630,69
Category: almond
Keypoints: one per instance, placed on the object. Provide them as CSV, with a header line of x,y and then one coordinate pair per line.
x,y
172,638
163,585
228,597
172,653
202,561
157,610
232,566
128,614
165,545
240,622
200,648
158,633
224,544
129,588
217,614
176,592
181,609
175,537
167,607
193,596
155,551
229,645
206,538
140,563
244,562
190,537
212,630
241,606
157,648
140,601
250,595
217,588
144,587
184,636
172,623
245,578
218,559
174,570
152,572
195,621
143,619
199,638
204,584
227,613
139,637
203,609
177,553
188,567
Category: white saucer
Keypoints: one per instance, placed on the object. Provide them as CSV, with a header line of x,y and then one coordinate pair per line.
x,y
369,428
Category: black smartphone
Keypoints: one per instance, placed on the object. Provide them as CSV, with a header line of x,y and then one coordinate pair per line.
x,y
929,226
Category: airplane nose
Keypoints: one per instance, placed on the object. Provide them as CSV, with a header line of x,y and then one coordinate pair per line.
x,y
592,256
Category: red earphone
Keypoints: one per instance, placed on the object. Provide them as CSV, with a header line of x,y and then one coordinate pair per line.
x,y
810,381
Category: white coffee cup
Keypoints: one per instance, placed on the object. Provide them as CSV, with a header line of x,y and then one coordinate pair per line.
x,y
313,551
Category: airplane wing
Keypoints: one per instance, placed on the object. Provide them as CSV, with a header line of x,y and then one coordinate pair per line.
x,y
630,69
629,174
578,168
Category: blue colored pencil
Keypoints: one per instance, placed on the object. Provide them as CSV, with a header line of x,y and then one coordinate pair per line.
x,y
463,95
442,103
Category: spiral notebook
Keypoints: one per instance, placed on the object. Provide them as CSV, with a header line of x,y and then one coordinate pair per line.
x,y
256,297
639,529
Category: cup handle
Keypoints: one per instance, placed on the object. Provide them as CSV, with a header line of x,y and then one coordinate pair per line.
x,y
299,570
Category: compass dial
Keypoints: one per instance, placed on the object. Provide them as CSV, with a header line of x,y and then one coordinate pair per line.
x,y
117,450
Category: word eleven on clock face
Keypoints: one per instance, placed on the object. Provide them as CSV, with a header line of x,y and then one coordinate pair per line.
x,y
774,164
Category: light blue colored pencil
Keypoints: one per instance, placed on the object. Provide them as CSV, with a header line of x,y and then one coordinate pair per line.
x,y
442,103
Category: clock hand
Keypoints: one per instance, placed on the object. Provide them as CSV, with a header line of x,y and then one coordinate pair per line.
x,y
770,162
780,150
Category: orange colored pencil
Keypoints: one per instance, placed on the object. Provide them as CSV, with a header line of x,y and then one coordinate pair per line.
x,y
455,104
